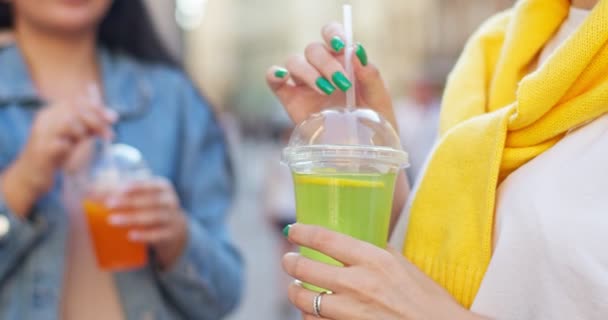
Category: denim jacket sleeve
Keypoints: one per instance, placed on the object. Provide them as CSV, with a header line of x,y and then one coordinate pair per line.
x,y
17,236
206,282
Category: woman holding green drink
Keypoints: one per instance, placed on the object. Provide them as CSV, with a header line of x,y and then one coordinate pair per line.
x,y
509,217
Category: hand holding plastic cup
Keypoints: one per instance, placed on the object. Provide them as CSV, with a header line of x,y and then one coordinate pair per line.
x,y
344,163
115,167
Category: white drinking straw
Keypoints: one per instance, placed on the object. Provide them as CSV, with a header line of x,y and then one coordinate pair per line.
x,y
94,96
351,94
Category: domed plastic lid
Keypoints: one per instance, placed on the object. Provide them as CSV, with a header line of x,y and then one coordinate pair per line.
x,y
345,135
117,164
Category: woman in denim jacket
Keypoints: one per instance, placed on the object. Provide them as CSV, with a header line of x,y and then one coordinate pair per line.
x,y
47,269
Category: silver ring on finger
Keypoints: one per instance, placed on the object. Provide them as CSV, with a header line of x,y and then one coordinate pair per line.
x,y
316,304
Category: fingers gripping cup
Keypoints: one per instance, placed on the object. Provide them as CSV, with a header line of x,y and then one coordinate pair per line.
x,y
344,163
116,166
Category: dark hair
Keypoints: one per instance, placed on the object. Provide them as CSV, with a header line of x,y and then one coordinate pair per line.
x,y
126,28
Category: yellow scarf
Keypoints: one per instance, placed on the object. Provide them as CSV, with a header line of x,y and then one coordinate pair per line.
x,y
496,117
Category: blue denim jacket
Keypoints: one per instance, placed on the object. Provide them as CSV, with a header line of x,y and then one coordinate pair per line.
x,y
163,116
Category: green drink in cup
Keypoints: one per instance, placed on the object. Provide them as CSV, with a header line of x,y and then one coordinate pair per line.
x,y
344,164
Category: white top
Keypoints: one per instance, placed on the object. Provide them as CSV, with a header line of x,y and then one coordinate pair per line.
x,y
550,260
418,128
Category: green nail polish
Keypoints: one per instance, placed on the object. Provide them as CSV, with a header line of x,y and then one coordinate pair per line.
x,y
280,73
361,54
286,230
341,81
337,44
325,86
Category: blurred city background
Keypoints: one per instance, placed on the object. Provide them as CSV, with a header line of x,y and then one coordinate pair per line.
x,y
227,45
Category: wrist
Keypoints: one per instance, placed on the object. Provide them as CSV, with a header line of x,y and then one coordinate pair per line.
x,y
168,253
33,178
20,193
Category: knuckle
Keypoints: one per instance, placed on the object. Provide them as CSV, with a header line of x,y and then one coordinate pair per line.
x,y
83,113
299,267
374,288
164,200
58,146
320,238
163,183
301,298
372,72
345,282
312,50
90,116
293,61
169,201
385,259
367,289
381,260
332,28
292,294
79,129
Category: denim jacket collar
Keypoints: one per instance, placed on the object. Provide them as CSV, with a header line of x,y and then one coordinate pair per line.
x,y
15,82
118,74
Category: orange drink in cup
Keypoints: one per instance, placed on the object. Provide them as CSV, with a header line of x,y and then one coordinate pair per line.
x,y
113,249
117,166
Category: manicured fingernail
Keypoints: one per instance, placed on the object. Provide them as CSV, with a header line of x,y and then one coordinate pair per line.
x,y
325,86
286,230
280,73
337,44
361,54
341,81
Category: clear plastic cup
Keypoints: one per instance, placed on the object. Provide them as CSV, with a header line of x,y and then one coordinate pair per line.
x,y
344,163
114,167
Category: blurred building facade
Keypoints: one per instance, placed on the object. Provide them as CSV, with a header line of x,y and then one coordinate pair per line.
x,y
237,40
228,50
